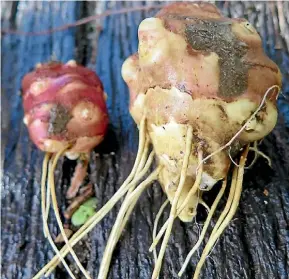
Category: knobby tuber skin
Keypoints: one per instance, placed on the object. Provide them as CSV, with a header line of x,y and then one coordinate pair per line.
x,y
64,104
196,68
65,111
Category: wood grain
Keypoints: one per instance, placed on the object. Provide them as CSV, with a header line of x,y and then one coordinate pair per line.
x,y
254,246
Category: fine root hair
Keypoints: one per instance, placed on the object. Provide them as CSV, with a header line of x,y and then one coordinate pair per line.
x,y
192,191
122,218
131,181
158,216
57,214
204,230
234,202
44,210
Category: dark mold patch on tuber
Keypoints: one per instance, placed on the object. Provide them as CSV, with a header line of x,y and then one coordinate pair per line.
x,y
59,117
213,36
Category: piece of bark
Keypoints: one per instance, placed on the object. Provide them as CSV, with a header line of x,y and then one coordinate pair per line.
x,y
78,201
60,239
77,179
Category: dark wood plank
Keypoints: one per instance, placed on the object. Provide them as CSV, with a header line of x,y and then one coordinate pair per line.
x,y
256,243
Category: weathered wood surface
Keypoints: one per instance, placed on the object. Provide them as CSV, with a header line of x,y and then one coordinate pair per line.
x,y
255,245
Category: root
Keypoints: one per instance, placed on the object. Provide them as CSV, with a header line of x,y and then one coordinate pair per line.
x,y
132,205
159,214
95,219
235,202
131,181
57,215
243,127
43,186
229,201
205,205
192,191
44,215
197,183
144,158
257,154
48,191
83,21
204,230
174,203
232,160
122,218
